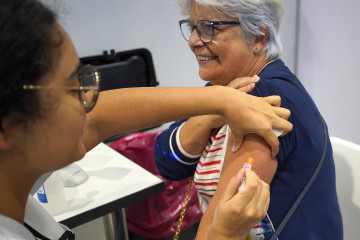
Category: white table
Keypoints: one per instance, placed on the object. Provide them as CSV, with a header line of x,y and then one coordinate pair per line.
x,y
114,182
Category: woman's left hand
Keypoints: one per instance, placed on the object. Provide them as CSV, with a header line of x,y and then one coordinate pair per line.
x,y
243,84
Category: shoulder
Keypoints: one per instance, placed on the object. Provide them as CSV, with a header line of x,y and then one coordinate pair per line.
x,y
276,68
11,229
274,76
277,79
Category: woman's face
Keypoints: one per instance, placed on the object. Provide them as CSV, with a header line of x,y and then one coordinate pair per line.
x,y
228,56
55,140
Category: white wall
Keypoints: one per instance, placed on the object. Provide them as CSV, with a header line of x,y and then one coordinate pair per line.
x,y
96,25
328,62
289,33
326,44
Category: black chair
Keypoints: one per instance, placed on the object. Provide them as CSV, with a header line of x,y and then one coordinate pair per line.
x,y
126,69
132,68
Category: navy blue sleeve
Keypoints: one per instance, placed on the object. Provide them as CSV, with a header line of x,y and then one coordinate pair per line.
x,y
171,163
269,86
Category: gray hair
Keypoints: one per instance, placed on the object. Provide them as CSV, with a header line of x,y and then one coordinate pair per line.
x,y
254,15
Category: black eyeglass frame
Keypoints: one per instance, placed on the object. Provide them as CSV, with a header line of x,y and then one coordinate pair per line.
x,y
81,89
212,23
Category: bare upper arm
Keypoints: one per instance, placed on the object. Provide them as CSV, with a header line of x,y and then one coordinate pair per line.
x,y
253,146
264,166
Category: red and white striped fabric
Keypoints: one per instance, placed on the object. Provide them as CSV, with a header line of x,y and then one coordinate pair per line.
x,y
208,170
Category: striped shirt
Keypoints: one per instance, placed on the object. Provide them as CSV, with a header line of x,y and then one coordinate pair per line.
x,y
208,170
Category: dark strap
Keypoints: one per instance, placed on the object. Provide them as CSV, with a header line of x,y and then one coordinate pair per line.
x,y
305,189
35,233
67,235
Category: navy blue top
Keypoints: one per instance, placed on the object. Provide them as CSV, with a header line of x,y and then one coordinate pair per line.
x,y
318,215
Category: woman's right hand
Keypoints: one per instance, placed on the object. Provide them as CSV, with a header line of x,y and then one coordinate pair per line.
x,y
237,212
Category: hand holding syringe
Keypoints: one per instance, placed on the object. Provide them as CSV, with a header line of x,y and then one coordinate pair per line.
x,y
247,165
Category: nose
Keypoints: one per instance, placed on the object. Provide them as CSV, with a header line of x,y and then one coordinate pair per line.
x,y
194,39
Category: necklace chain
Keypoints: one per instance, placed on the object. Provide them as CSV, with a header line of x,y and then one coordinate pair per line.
x,y
265,66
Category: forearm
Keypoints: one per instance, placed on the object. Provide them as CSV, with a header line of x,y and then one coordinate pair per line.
x,y
214,234
205,229
170,160
130,109
195,132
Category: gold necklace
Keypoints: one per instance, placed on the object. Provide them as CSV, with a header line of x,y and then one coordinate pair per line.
x,y
265,66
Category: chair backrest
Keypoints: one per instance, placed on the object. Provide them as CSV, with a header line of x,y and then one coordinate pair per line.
x,y
124,74
347,166
125,69
132,68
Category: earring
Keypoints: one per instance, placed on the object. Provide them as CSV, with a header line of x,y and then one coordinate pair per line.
x,y
256,48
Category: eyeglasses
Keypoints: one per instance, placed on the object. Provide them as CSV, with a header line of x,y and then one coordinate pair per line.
x,y
89,79
204,28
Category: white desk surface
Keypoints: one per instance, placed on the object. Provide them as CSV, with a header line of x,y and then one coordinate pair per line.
x,y
114,182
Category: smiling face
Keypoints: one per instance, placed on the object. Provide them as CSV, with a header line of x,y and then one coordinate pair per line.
x,y
228,56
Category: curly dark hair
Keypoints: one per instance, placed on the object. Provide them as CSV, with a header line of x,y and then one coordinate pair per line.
x,y
28,39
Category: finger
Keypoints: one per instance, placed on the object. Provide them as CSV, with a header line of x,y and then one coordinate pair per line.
x,y
264,199
270,137
255,78
267,204
260,199
282,112
238,83
239,177
249,88
250,189
258,189
237,142
232,189
282,125
273,100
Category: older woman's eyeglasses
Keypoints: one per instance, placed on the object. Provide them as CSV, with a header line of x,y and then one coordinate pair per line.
x,y
204,28
89,80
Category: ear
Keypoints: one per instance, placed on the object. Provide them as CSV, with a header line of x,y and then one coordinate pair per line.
x,y
5,139
260,42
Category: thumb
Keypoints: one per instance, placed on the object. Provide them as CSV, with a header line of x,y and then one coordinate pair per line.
x,y
232,189
237,142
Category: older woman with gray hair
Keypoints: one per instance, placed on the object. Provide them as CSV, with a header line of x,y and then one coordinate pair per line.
x,y
236,42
